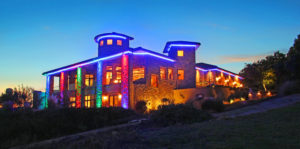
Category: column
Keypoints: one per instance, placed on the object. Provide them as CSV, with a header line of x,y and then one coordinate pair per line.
x,y
78,88
125,82
99,85
48,92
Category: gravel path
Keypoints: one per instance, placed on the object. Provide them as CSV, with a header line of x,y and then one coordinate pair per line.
x,y
261,107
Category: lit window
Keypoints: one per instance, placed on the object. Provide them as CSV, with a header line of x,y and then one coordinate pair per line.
x,y
87,101
170,74
138,73
108,77
108,67
89,80
119,42
101,43
109,42
180,53
162,73
154,81
180,74
72,102
119,75
198,78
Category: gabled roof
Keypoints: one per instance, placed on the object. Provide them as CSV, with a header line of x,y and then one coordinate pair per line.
x,y
113,34
169,44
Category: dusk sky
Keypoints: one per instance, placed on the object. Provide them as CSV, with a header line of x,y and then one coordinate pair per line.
x,y
39,35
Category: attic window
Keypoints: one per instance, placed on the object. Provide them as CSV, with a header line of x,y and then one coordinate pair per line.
x,y
180,53
109,42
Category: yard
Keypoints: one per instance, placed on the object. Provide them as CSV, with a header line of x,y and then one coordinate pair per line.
x,y
278,128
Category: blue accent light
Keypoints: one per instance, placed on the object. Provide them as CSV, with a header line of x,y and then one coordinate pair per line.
x,y
146,53
99,85
109,36
216,69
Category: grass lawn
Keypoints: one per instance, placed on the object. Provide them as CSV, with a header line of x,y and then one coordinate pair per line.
x,y
278,128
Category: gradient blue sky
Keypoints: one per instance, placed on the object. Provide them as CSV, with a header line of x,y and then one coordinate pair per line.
x,y
39,35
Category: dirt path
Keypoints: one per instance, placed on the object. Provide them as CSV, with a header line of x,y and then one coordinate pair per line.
x,y
261,107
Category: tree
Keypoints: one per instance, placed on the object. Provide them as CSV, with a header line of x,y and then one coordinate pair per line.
x,y
20,96
293,60
269,79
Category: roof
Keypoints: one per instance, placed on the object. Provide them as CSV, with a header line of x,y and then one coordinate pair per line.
x,y
169,44
208,67
112,35
149,51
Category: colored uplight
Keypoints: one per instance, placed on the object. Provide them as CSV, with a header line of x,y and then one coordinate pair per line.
x,y
78,89
125,82
90,62
109,36
47,93
99,85
216,69
158,56
62,81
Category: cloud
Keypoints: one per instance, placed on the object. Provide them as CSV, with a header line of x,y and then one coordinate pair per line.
x,y
241,58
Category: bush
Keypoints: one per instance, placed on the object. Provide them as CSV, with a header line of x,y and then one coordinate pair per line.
x,y
141,106
213,105
25,126
180,113
289,87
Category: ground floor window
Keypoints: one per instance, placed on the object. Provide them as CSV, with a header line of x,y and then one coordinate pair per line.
x,y
154,81
87,101
180,74
138,73
72,102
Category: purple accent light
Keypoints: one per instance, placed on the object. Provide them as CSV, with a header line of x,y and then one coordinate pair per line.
x,y
147,53
109,36
216,69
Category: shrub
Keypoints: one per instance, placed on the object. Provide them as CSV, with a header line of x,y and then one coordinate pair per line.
x,y
213,105
180,113
141,106
289,87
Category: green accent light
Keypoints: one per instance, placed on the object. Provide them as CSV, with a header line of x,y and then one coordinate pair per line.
x,y
99,85
78,88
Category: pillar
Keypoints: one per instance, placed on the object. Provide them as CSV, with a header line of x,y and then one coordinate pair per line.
x,y
99,85
125,82
78,88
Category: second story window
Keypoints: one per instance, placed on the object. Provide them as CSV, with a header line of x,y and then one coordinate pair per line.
x,y
101,43
89,80
119,42
180,53
138,73
170,74
109,42
119,74
108,75
180,74
162,73
154,81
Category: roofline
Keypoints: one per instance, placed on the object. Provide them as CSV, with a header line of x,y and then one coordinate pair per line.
x,y
112,35
169,44
94,60
219,69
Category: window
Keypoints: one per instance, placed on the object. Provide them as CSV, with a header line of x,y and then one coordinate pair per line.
x,y
87,101
138,73
180,53
101,43
108,77
162,73
154,80
89,80
109,42
170,74
72,102
180,74
119,42
119,75
198,78
109,68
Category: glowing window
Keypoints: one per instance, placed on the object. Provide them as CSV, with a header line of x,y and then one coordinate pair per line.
x,y
119,74
108,77
109,42
170,74
162,73
119,42
89,80
180,53
138,73
72,102
87,101
154,81
180,74
198,78
101,43
108,67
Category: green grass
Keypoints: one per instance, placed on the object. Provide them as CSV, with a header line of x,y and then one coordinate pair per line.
x,y
279,128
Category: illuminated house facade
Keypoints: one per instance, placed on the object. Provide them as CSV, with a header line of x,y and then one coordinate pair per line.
x,y
121,75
